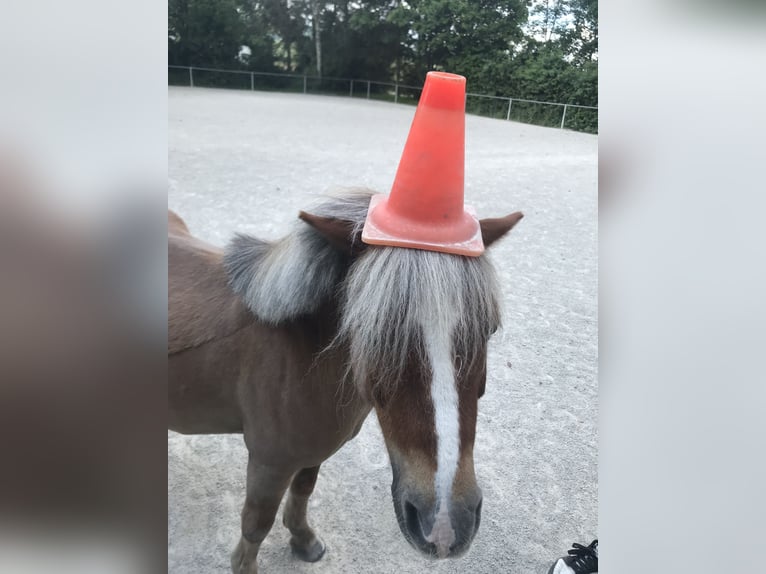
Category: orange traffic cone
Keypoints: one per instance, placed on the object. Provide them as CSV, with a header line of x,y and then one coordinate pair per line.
x,y
425,207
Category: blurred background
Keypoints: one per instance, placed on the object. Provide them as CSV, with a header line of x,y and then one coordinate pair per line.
x,y
83,164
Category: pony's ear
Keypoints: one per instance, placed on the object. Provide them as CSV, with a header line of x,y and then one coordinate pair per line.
x,y
337,232
494,228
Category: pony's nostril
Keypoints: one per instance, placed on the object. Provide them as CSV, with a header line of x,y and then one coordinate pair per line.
x,y
412,519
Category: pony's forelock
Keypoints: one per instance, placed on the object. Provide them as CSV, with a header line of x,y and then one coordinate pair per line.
x,y
392,295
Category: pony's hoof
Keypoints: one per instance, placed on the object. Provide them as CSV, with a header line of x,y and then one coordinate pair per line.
x,y
309,552
240,563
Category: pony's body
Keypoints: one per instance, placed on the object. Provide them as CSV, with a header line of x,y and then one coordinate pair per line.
x,y
292,343
230,373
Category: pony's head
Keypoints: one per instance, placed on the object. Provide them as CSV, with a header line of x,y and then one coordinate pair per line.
x,y
417,324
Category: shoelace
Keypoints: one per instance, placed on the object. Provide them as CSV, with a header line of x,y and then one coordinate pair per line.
x,y
584,556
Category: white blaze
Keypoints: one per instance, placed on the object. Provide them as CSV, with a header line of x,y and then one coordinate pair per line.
x,y
438,340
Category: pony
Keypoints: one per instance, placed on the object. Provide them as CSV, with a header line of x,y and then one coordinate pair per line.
x,y
294,342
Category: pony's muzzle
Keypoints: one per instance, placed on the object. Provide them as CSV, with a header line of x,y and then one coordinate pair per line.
x,y
441,532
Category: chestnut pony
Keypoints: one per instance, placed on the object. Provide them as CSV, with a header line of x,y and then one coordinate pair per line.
x,y
293,343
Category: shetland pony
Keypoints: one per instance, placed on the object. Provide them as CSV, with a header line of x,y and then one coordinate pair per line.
x,y
292,343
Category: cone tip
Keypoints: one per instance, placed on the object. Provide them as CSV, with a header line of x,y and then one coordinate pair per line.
x,y
443,91
446,76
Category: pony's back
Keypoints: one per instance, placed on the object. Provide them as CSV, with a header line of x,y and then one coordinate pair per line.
x,y
201,305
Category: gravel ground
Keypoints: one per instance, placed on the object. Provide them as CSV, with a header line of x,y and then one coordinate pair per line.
x,y
242,161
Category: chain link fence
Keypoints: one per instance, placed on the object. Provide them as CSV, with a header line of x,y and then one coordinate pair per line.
x,y
550,114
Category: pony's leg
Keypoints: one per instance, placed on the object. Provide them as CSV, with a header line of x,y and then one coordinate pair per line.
x,y
265,488
305,543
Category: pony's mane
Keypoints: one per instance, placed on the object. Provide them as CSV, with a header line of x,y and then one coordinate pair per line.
x,y
285,279
387,296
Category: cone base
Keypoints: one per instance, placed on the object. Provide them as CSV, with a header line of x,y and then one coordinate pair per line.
x,y
385,228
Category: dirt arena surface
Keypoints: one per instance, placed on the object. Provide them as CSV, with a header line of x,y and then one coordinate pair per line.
x,y
247,162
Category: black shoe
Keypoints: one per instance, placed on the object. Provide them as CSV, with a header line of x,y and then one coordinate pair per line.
x,y
581,560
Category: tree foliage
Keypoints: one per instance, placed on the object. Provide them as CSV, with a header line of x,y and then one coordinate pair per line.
x,y
531,49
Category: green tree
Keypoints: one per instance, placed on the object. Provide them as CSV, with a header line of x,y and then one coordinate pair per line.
x,y
204,32
572,25
257,36
460,35
284,19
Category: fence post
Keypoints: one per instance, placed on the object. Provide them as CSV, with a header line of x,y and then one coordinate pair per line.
x,y
508,117
191,78
304,84
368,89
396,94
563,116
351,90
252,82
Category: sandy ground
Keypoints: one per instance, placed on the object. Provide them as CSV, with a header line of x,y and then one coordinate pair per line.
x,y
248,162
